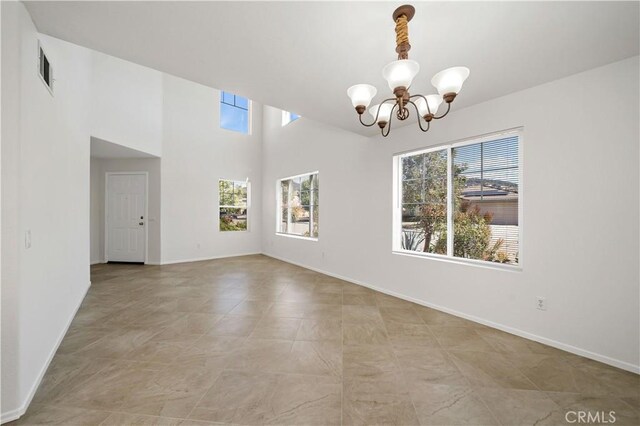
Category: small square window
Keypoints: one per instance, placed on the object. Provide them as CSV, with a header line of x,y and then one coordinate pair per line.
x,y
234,113
288,117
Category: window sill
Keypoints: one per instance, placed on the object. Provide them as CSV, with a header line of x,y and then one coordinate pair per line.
x,y
461,261
298,237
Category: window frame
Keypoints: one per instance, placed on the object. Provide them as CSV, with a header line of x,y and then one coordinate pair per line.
x,y
279,207
247,207
396,247
249,110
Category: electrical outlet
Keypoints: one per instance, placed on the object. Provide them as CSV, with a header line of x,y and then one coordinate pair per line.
x,y
27,239
541,303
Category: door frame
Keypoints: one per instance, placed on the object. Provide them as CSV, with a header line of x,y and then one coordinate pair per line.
x,y
146,212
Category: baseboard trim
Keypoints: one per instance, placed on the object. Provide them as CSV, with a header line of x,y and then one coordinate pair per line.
x,y
540,339
19,412
95,262
200,259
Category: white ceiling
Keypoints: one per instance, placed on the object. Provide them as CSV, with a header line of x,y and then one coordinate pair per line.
x,y
302,56
105,149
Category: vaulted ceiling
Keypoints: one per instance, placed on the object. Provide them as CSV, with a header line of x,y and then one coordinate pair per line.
x,y
302,56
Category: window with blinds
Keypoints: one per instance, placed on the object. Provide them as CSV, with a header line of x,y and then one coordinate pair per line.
x,y
461,200
486,183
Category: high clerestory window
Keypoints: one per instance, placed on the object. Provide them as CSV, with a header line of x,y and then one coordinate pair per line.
x,y
235,113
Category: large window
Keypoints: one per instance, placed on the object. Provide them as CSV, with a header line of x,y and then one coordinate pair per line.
x,y
298,208
461,201
234,113
233,204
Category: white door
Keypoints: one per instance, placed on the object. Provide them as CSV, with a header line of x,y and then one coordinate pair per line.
x,y
125,217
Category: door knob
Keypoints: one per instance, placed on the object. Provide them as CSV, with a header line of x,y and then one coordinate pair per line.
x,y
141,223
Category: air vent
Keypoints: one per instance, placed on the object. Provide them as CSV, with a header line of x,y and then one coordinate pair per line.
x,y
44,69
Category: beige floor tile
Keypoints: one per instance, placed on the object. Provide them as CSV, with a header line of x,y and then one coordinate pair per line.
x,y
452,405
404,315
432,317
423,366
276,328
361,314
318,330
233,325
369,361
253,340
364,334
522,407
173,392
238,397
51,415
460,338
120,419
359,299
379,400
109,388
490,369
607,407
65,373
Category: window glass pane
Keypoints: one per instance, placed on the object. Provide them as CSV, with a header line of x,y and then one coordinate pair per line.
x,y
242,102
227,98
486,180
297,215
424,208
316,220
233,219
234,118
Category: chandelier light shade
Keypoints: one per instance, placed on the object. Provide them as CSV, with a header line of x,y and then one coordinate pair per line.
x,y
433,102
450,80
361,94
400,75
381,113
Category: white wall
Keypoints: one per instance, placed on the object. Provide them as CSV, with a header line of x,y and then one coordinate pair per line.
x,y
126,105
48,157
581,209
10,153
196,153
100,166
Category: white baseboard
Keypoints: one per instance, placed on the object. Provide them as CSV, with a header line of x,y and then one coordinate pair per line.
x,y
18,412
540,339
95,262
200,259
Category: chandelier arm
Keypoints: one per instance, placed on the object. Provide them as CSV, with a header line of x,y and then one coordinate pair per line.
x,y
425,101
388,126
420,118
446,112
375,120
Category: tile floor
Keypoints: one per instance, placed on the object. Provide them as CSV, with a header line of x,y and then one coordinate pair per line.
x,y
252,340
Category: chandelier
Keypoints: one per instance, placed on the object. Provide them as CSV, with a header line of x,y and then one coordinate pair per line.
x,y
399,75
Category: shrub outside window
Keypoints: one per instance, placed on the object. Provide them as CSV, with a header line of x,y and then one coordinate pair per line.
x,y
298,207
461,201
233,205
